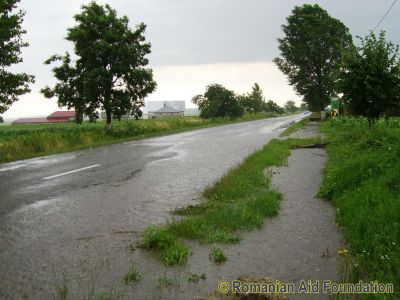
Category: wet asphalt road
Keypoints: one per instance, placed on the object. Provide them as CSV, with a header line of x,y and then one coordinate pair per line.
x,y
56,211
33,180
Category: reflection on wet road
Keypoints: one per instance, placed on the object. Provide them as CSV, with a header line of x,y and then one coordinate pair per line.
x,y
56,212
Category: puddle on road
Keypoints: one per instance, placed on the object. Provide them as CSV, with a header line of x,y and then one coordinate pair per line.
x,y
289,248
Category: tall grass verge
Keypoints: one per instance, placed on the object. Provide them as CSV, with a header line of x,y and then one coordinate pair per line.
x,y
26,141
241,200
362,178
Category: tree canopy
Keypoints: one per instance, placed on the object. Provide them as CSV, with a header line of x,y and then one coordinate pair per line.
x,y
12,85
271,106
254,101
311,52
109,71
218,101
370,77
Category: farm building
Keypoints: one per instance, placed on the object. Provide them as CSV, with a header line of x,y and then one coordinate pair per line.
x,y
61,116
152,106
166,112
55,117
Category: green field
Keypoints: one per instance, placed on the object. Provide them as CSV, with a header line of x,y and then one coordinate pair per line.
x,y
362,179
26,141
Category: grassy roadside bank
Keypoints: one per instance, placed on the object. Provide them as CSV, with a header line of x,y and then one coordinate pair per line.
x,y
294,127
27,141
362,178
239,201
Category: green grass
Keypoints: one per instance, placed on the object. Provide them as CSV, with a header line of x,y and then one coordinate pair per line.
x,y
294,127
239,201
172,252
362,178
217,255
26,141
176,254
133,275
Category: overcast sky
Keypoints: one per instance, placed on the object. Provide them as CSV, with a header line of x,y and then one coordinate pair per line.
x,y
194,43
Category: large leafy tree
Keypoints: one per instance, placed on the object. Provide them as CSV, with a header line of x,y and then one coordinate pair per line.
x,y
290,106
218,101
254,101
109,71
12,85
311,52
370,77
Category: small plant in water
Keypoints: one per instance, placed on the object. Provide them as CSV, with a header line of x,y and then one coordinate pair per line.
x,y
217,255
164,282
133,275
177,254
195,277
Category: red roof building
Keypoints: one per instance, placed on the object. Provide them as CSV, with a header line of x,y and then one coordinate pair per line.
x,y
30,121
62,115
55,117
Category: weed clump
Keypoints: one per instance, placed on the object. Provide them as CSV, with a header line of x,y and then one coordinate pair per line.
x,y
217,255
133,275
176,254
157,238
196,277
162,240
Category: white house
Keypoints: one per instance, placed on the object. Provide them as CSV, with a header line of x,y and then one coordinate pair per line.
x,y
166,112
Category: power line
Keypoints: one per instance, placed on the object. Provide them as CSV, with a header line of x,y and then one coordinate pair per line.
x,y
380,21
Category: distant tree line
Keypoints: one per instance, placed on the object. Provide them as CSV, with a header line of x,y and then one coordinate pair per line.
x,y
108,69
219,101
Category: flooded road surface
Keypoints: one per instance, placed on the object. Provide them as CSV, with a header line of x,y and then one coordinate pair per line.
x,y
68,222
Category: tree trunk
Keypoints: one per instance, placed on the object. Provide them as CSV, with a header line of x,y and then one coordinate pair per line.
x,y
108,113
